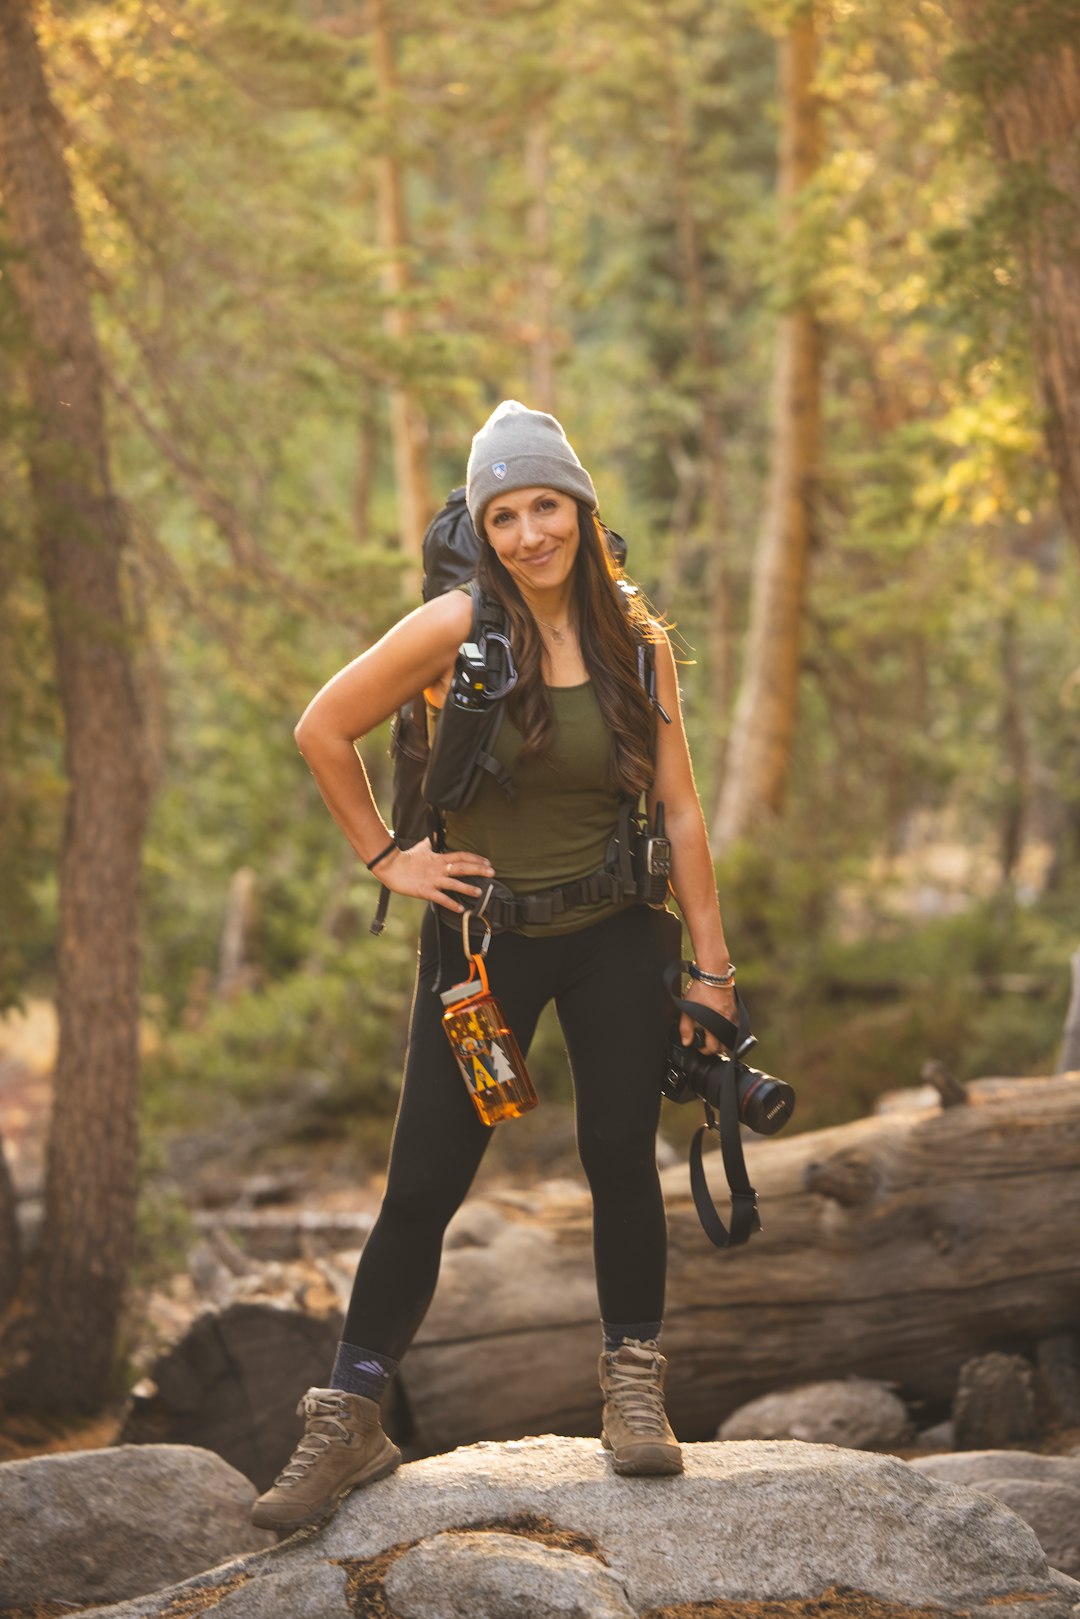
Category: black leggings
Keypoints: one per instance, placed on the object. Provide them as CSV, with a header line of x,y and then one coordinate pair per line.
x,y
616,1019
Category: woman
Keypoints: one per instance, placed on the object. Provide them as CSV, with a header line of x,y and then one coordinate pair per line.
x,y
579,737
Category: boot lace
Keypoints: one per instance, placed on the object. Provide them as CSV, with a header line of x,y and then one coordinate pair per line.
x,y
634,1389
324,1427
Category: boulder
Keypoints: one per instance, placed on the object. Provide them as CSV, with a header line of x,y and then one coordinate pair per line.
x,y
99,1525
1052,1510
853,1412
1043,1490
995,1403
939,1436
498,1576
747,1521
975,1466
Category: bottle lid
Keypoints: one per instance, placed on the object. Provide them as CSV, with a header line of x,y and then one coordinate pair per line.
x,y
461,992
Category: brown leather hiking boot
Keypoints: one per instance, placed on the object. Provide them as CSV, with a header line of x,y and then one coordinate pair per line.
x,y
635,1429
343,1447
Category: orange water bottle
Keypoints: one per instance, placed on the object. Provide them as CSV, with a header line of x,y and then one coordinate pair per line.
x,y
487,1053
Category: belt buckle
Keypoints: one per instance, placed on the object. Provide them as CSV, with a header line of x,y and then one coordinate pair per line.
x,y
539,908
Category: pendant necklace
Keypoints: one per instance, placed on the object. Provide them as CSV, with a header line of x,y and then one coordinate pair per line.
x,y
558,634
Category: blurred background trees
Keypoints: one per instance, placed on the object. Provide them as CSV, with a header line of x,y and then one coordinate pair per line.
x,y
323,237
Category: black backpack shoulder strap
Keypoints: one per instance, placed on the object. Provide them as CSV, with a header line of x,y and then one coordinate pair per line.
x,y
491,630
646,652
462,751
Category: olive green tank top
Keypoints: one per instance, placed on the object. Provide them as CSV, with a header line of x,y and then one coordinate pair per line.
x,y
557,827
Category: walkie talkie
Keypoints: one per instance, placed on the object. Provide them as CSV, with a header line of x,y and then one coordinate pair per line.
x,y
654,862
468,687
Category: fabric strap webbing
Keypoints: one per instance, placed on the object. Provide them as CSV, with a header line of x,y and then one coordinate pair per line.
x,y
721,1103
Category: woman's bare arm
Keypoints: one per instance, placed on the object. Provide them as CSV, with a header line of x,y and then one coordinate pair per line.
x,y
414,655
692,877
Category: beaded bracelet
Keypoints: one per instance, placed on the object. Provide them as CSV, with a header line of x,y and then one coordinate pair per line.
x,y
390,847
713,980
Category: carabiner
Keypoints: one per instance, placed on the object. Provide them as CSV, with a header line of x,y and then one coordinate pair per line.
x,y
467,918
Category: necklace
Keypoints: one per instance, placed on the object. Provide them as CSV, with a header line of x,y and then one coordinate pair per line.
x,y
557,633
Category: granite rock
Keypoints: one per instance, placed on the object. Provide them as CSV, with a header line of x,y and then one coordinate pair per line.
x,y
100,1525
500,1576
747,1520
853,1412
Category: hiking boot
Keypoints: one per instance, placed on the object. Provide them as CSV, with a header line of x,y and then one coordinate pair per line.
x,y
635,1429
343,1446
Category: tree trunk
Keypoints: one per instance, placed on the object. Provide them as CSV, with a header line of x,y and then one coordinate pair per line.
x,y
893,1248
759,754
236,972
10,1246
81,534
1034,117
407,419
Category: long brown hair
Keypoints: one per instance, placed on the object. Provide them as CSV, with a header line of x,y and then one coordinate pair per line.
x,y
610,624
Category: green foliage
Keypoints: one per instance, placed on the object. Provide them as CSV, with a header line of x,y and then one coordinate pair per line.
x,y
851,992
325,1043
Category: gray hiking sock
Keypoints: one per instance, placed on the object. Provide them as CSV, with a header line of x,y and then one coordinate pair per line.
x,y
617,1332
362,1371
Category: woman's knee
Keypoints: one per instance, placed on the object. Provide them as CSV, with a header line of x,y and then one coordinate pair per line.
x,y
617,1161
419,1207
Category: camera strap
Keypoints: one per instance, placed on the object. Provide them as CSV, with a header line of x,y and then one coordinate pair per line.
x,y
722,1116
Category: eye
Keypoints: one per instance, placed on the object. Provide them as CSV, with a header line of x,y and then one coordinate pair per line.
x,y
500,519
548,503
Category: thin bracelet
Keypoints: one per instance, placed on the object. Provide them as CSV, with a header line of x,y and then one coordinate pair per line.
x,y
713,980
390,847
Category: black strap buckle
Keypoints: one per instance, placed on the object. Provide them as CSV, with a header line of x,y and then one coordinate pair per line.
x,y
538,908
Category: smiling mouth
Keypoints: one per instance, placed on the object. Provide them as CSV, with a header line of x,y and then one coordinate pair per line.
x,y
538,562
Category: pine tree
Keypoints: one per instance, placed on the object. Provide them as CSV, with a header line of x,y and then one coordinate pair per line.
x,y
82,535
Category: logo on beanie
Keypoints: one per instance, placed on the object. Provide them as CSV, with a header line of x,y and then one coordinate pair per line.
x,y
499,470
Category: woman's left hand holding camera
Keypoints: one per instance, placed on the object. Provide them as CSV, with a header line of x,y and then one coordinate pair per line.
x,y
717,1000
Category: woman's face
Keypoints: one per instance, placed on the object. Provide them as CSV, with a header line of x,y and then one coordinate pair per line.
x,y
534,534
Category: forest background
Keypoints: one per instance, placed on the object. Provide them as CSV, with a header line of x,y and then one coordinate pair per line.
x,y
797,280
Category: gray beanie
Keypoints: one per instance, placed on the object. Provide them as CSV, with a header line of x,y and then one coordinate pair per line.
x,y
518,448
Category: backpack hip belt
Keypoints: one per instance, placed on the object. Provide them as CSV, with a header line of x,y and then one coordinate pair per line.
x,y
504,909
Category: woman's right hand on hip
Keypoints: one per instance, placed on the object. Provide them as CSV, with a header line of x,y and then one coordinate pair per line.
x,y
424,873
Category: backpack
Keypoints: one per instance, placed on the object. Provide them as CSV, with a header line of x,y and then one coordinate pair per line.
x,y
429,779
451,550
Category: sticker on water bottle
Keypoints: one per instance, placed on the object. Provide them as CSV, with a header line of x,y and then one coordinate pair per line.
x,y
484,1065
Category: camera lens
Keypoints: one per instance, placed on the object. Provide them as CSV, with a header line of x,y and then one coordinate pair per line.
x,y
765,1103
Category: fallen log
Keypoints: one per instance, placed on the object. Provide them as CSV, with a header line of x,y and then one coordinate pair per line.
x,y
895,1247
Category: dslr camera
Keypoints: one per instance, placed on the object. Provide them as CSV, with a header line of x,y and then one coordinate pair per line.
x,y
765,1103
